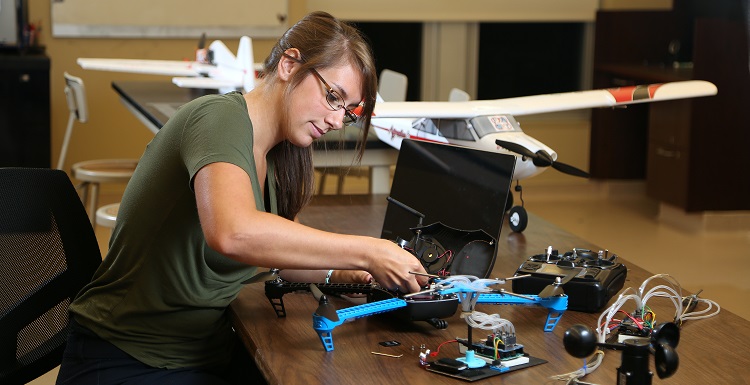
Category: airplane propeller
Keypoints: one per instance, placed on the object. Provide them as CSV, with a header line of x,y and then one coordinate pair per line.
x,y
269,275
555,288
325,309
541,158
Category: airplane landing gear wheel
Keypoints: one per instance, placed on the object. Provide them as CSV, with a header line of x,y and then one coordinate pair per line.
x,y
518,219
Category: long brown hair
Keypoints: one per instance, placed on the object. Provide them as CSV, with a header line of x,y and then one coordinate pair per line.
x,y
323,41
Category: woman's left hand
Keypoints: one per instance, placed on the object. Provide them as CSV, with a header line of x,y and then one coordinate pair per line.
x,y
351,276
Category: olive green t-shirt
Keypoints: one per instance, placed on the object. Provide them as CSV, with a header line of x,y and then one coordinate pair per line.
x,y
161,294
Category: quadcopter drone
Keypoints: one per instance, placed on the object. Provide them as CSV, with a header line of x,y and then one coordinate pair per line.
x,y
325,320
439,301
446,254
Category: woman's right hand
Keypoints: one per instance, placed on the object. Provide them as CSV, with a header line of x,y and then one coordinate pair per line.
x,y
393,268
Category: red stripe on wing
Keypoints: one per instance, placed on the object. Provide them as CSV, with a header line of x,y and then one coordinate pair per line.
x,y
631,93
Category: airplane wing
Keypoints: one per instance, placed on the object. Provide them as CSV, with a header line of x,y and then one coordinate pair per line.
x,y
153,67
205,83
186,74
228,72
537,104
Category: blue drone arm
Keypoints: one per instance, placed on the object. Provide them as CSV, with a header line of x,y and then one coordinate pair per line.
x,y
324,326
556,305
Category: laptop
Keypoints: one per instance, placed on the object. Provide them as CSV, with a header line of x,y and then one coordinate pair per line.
x,y
454,197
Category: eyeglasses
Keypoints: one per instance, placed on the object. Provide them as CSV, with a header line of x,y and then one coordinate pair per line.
x,y
335,101
333,98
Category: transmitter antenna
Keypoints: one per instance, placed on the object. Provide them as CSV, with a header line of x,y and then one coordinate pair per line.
x,y
407,208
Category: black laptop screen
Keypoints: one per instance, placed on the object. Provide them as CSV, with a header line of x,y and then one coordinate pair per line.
x,y
461,187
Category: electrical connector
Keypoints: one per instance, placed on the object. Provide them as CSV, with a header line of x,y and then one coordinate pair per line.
x,y
495,348
632,328
690,302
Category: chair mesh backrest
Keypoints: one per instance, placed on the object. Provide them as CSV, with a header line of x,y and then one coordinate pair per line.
x,y
48,252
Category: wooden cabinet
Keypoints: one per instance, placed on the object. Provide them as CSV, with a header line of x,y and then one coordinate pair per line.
x,y
630,48
24,110
697,154
668,171
693,153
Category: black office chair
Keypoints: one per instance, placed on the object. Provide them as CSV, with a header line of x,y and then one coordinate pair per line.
x,y
48,252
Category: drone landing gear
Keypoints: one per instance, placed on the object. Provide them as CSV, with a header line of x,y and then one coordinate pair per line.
x,y
324,325
437,323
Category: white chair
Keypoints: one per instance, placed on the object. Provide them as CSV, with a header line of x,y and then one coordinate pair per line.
x,y
457,95
392,86
106,215
91,173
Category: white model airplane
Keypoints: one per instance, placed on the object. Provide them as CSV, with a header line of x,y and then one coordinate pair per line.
x,y
490,124
484,124
223,71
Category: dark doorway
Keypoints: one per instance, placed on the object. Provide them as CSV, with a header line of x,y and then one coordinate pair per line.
x,y
398,47
520,59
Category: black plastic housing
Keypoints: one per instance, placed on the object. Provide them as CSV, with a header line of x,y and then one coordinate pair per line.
x,y
596,282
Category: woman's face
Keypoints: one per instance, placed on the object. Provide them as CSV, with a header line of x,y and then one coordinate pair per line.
x,y
310,114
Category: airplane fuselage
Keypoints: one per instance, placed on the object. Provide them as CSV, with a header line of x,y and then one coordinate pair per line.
x,y
479,132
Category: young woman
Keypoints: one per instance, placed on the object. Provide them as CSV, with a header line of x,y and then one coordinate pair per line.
x,y
214,196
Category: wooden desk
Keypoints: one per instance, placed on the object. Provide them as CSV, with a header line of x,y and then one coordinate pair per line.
x,y
288,350
153,103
